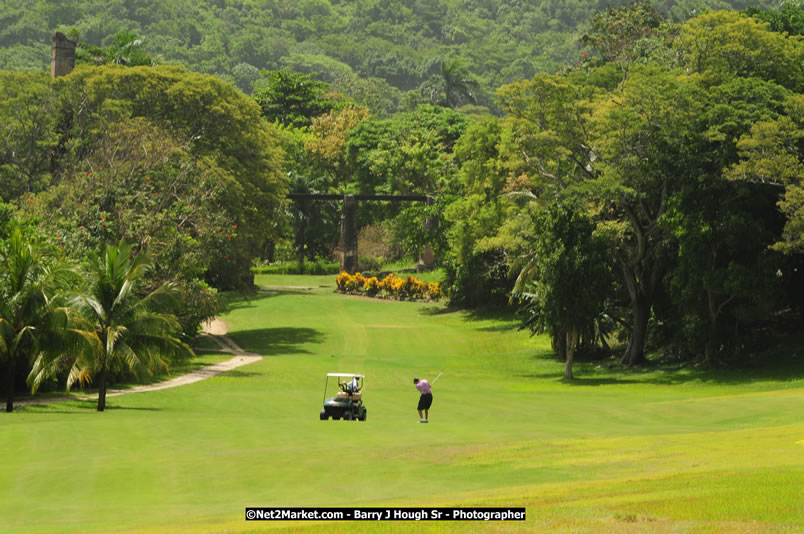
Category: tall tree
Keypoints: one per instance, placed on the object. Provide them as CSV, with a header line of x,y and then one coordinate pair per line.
x,y
29,316
772,153
125,49
720,45
624,150
477,208
789,18
27,133
292,98
131,325
140,184
222,131
327,144
563,288
452,87
627,35
647,143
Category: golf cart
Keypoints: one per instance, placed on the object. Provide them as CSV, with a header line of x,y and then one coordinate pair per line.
x,y
348,401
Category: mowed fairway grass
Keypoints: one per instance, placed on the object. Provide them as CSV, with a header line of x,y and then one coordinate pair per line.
x,y
643,451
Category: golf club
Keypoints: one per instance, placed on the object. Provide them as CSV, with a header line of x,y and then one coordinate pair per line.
x,y
439,376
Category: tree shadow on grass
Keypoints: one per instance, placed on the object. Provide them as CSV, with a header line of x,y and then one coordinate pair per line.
x,y
277,341
508,321
603,381
117,407
239,301
278,292
506,318
499,328
440,310
79,407
583,380
777,371
243,301
780,368
237,373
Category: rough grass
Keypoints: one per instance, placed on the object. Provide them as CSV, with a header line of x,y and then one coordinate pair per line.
x,y
645,451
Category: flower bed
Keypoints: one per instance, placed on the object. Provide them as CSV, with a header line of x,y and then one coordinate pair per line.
x,y
392,287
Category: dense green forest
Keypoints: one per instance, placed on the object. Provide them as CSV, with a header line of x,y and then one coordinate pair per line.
x,y
374,51
644,197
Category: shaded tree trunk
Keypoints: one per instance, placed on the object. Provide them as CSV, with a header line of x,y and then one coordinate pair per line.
x,y
10,385
641,276
572,342
560,344
641,273
300,242
715,309
709,349
102,390
640,311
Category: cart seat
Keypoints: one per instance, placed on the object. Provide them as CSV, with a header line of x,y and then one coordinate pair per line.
x,y
354,396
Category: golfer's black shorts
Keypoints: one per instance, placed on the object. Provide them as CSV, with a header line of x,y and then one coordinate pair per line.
x,y
425,401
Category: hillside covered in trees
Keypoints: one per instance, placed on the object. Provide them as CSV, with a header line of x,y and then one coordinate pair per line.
x,y
375,51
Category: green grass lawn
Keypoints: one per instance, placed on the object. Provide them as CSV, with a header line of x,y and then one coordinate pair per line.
x,y
645,451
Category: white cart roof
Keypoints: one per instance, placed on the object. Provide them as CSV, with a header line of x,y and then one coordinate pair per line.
x,y
346,375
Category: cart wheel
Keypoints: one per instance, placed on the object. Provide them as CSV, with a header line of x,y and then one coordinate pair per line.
x,y
336,417
365,412
347,416
323,415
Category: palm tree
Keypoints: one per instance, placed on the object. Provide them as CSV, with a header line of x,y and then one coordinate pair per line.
x,y
453,86
127,50
31,322
130,325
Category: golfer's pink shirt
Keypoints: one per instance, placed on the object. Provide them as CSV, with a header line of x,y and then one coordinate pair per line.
x,y
423,386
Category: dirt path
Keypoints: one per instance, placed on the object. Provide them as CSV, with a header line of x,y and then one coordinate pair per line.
x,y
214,330
215,327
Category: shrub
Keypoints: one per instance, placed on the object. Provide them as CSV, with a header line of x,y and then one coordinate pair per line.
x,y
314,268
371,263
342,280
360,280
391,286
372,286
434,291
482,280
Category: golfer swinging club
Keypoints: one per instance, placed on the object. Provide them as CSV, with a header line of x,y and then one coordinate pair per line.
x,y
426,399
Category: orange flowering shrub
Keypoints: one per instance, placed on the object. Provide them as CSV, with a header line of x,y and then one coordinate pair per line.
x,y
410,288
342,280
394,286
371,286
390,286
360,280
346,282
387,284
434,291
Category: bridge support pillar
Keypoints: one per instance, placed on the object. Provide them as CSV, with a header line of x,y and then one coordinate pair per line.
x,y
349,234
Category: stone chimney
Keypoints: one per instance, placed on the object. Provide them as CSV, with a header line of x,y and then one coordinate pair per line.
x,y
62,57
